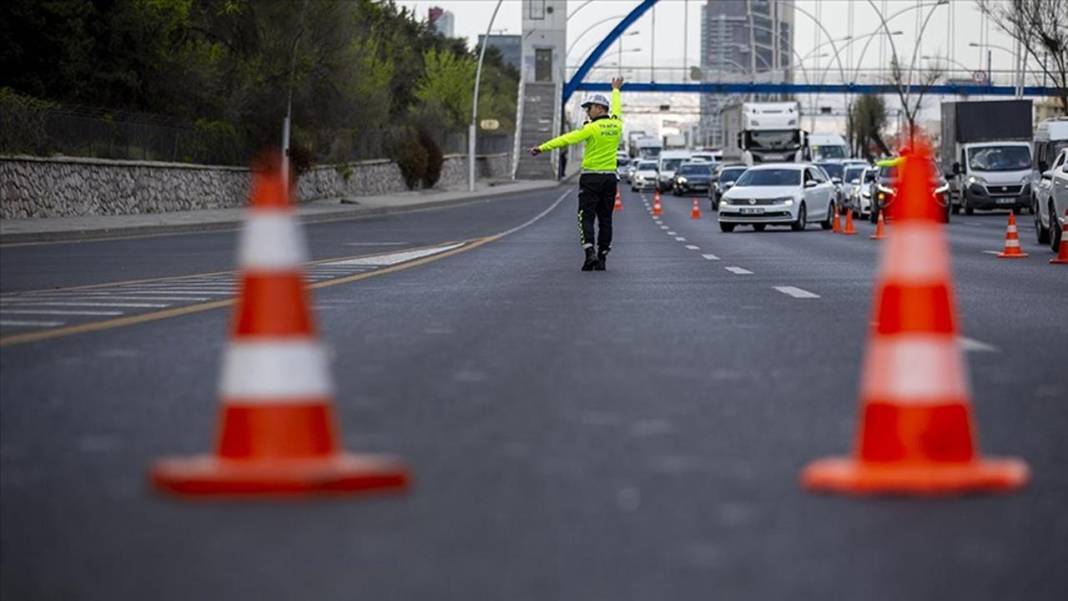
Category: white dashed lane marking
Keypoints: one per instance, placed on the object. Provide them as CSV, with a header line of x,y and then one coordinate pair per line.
x,y
692,247
738,270
711,257
680,239
671,233
796,292
970,344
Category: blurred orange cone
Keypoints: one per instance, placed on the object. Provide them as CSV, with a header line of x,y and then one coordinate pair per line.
x,y
917,434
1012,241
695,212
657,207
849,229
836,227
879,225
277,435
1062,255
619,201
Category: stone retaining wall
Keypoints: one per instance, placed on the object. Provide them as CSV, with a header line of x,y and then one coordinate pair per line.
x,y
68,186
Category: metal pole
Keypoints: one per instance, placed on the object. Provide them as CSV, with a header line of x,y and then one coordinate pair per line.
x,y
685,38
652,50
471,132
289,100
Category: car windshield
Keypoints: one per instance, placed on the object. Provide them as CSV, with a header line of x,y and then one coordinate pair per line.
x,y
853,174
670,164
829,152
776,140
729,175
833,169
869,175
999,158
647,166
691,169
770,177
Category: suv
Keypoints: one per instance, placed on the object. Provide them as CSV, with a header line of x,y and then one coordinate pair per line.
x,y
1051,201
723,177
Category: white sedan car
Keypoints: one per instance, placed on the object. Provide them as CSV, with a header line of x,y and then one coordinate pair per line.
x,y
778,194
645,176
1050,201
860,199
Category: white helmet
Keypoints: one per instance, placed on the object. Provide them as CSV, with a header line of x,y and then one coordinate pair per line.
x,y
596,99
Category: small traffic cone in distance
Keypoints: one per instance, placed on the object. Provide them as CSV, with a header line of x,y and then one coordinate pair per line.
x,y
879,225
619,201
277,434
836,227
658,208
850,230
695,212
917,434
1012,248
1062,255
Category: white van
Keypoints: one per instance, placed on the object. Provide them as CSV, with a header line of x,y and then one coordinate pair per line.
x,y
827,147
1051,136
669,161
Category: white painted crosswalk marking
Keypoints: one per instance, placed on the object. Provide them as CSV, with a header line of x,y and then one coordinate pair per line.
x,y
796,292
100,296
738,270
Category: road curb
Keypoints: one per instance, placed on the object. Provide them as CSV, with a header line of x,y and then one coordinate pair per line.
x,y
342,214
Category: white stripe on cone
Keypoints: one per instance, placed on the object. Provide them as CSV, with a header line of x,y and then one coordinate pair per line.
x,y
1012,243
913,369
271,240
275,371
1011,230
915,255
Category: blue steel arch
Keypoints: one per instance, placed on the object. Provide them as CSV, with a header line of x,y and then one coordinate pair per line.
x,y
584,70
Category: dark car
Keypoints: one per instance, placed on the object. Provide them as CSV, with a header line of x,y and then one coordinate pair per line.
x,y
884,191
723,177
692,177
836,172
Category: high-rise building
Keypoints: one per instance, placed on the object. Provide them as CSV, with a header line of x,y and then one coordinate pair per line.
x,y
442,21
738,43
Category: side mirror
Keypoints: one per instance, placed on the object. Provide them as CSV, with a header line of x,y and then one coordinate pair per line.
x,y
1047,174
810,183
836,180
956,169
854,181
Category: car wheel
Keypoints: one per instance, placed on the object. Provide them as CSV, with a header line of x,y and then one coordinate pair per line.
x,y
968,210
1042,233
759,226
726,227
802,219
827,224
1055,229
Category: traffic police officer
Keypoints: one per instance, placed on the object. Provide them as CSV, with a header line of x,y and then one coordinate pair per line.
x,y
597,185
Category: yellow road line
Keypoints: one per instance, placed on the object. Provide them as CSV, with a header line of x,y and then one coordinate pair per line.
x,y
188,309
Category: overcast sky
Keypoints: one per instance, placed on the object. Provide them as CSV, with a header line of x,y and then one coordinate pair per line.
x,y
472,17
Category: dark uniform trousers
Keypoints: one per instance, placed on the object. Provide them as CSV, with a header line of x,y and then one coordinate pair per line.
x,y
597,198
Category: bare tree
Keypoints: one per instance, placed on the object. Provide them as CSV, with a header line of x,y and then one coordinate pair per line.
x,y
911,95
1042,29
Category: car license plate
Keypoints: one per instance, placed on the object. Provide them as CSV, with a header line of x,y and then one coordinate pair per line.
x,y
752,211
1006,201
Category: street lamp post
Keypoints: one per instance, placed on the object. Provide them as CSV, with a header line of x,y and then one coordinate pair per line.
x,y
1018,77
473,130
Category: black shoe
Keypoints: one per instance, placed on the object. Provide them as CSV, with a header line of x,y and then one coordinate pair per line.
x,y
591,260
602,259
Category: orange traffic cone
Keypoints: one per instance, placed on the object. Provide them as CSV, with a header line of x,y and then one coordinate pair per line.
x,y
1012,241
277,435
619,201
657,207
1062,255
879,225
695,212
916,429
836,227
849,229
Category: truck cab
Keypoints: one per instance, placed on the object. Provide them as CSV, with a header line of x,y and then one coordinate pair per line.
x,y
828,147
994,175
765,132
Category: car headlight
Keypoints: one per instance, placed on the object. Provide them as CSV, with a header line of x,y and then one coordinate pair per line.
x,y
976,180
682,180
943,189
785,200
722,204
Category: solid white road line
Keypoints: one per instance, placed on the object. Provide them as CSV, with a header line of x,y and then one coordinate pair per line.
x,y
395,258
796,292
58,312
692,247
94,304
30,324
183,291
970,344
711,257
738,270
100,297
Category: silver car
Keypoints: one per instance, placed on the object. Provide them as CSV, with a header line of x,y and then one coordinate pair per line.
x,y
1050,201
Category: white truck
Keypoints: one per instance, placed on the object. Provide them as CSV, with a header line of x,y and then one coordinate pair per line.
x,y
986,146
828,147
647,148
763,132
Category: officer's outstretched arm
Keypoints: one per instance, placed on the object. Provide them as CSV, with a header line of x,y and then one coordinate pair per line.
x,y
571,137
617,99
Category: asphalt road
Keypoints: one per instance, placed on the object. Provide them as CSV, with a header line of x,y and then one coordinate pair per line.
x,y
633,434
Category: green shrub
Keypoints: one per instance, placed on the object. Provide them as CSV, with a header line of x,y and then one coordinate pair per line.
x,y
410,156
435,159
